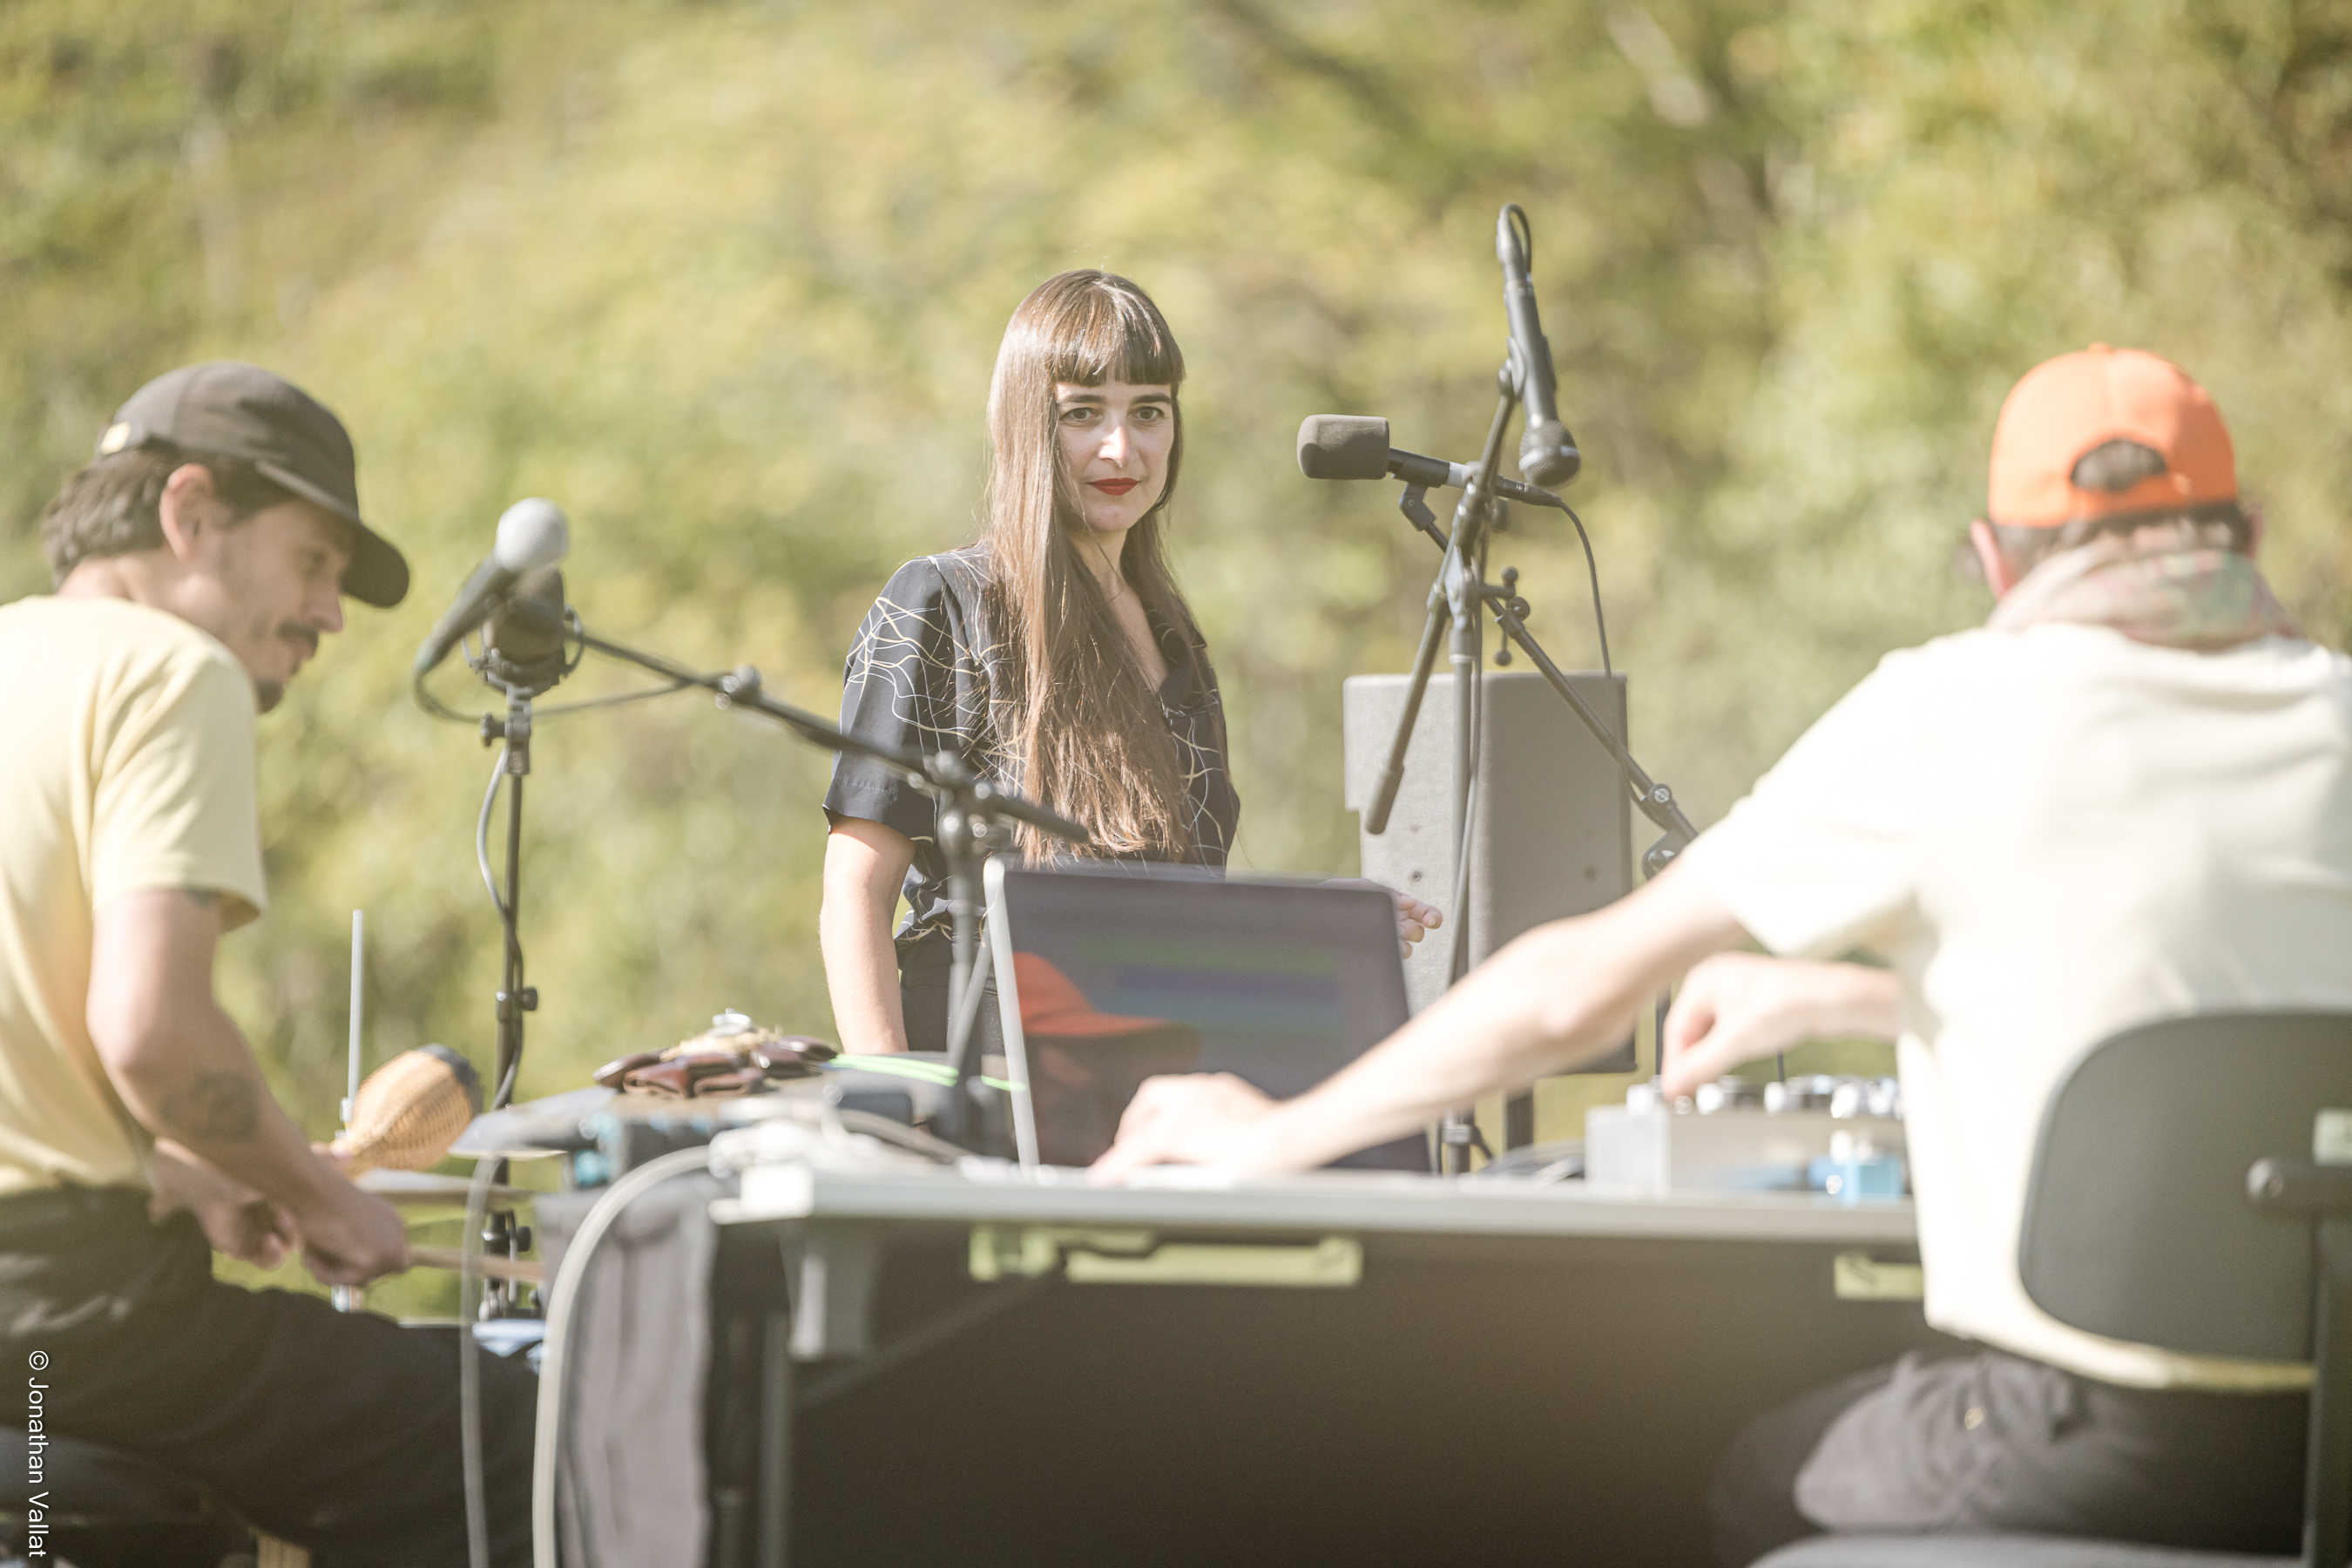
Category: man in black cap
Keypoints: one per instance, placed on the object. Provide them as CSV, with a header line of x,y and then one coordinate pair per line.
x,y
200,558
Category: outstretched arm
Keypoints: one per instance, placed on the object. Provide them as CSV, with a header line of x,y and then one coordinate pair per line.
x,y
1738,1006
1558,996
184,1070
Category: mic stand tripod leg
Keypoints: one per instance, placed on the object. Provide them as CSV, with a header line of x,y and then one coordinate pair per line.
x,y
1464,577
966,826
964,1011
1457,1132
1376,819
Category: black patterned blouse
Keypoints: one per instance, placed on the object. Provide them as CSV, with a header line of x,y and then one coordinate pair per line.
x,y
918,679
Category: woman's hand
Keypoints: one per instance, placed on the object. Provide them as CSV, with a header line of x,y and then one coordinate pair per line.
x,y
1738,1006
1414,919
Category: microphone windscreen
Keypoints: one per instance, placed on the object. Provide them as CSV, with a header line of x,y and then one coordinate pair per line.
x,y
410,1111
1548,454
529,626
532,534
1343,446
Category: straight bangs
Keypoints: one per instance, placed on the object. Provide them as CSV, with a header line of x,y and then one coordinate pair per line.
x,y
1110,333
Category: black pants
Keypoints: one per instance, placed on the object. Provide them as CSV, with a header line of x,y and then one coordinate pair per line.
x,y
336,1431
1996,1443
923,996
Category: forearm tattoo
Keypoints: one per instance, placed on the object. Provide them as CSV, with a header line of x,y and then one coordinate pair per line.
x,y
218,1107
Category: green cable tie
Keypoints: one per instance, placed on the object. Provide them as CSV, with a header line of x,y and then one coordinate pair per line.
x,y
928,1072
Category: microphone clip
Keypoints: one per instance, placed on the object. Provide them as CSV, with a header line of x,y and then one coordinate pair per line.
x,y
530,678
1414,504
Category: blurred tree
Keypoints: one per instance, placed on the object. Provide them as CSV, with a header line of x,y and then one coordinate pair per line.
x,y
726,280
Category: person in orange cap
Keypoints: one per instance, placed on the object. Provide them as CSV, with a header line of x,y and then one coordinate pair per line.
x,y
2124,797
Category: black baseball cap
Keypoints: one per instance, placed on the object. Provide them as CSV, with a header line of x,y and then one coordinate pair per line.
x,y
224,409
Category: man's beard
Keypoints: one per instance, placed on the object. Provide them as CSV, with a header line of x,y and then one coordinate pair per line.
x,y
268,694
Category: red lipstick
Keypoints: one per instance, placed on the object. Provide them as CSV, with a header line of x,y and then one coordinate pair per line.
x,y
1113,487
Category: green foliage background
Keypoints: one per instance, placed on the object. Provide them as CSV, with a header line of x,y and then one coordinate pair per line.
x,y
726,277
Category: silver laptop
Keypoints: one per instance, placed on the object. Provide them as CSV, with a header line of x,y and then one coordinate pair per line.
x,y
1108,975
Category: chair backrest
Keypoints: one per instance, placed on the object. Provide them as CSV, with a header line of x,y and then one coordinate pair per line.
x,y
2138,1225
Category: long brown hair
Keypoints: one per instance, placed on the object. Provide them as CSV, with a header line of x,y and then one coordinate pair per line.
x,y
1083,726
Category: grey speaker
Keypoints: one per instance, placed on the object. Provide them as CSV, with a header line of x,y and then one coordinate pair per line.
x,y
1553,833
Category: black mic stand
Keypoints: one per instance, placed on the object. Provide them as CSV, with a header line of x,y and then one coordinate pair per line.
x,y
973,814
1456,597
522,681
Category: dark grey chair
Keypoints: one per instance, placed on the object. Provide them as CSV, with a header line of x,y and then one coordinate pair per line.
x,y
2175,1201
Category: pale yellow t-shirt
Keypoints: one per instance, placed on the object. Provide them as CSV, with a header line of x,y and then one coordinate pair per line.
x,y
126,764
2053,834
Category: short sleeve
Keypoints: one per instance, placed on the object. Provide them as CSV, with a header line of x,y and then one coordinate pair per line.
x,y
1824,854
173,802
907,685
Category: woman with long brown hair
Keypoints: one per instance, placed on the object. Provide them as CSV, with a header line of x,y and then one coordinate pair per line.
x,y
1056,656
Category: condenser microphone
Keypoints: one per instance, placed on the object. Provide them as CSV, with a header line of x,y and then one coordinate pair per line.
x,y
532,534
528,627
1548,453
1349,447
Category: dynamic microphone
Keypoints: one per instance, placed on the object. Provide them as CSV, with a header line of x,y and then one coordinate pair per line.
x,y
532,534
1349,447
1548,453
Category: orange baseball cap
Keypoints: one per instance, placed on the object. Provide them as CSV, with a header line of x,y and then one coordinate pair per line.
x,y
1051,1004
2065,406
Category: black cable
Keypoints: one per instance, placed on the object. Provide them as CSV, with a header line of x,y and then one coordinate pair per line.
x,y
504,1089
1592,571
441,711
1600,624
504,1095
435,706
482,836
613,701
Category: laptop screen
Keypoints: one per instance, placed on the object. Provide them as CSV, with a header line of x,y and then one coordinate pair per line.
x,y
1121,974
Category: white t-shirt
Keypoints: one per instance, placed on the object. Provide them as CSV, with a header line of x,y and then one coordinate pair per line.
x,y
2052,834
